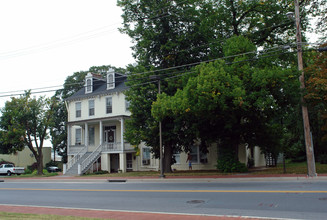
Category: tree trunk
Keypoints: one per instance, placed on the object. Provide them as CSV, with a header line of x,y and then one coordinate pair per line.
x,y
39,161
168,153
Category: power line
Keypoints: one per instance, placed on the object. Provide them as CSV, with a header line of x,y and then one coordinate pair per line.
x,y
265,51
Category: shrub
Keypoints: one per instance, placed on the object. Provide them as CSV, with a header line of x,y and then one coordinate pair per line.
x,y
52,163
323,159
32,167
229,164
101,172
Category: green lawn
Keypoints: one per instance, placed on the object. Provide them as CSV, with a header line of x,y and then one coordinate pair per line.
x,y
18,216
291,168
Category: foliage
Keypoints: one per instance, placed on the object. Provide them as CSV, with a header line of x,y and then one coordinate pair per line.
x,y
172,36
323,159
101,172
235,103
227,163
52,163
318,9
316,96
32,167
25,122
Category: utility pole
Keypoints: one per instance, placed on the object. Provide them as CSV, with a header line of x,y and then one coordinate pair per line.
x,y
307,135
157,77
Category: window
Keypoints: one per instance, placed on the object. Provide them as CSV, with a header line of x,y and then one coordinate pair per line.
x,y
127,104
197,155
91,135
111,80
177,158
88,85
91,107
109,105
78,107
78,136
146,156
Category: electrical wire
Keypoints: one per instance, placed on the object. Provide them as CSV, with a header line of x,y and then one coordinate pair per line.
x,y
152,81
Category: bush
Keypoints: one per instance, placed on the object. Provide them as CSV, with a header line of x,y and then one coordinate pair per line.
x,y
323,159
52,163
32,167
101,172
229,164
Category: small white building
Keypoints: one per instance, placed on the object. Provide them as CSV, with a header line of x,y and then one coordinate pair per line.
x,y
95,132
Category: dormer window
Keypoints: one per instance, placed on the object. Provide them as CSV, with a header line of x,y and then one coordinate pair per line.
x,y
88,83
111,79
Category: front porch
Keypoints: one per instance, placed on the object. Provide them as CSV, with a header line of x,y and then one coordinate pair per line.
x,y
101,141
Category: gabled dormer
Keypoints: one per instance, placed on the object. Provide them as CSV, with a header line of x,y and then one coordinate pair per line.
x,y
111,79
88,83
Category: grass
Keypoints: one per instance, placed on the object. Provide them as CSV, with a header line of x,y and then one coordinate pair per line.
x,y
18,216
291,168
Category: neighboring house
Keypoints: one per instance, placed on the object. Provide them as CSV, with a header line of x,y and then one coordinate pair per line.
x,y
95,132
26,158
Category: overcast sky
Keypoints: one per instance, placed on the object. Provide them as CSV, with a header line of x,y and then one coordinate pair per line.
x,y
42,42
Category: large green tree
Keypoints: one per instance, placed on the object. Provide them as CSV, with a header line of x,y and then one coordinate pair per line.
x,y
235,103
316,96
25,122
172,36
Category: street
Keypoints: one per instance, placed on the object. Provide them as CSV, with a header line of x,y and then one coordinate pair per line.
x,y
296,199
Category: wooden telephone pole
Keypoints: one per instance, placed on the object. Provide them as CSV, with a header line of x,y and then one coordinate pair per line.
x,y
307,134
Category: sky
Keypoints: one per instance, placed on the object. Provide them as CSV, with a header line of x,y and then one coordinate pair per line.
x,y
42,42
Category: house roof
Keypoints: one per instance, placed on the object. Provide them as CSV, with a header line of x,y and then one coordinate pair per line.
x,y
100,88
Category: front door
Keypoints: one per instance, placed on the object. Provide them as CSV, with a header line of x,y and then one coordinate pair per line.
x,y
109,134
114,163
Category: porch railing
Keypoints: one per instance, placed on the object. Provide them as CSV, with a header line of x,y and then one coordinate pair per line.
x,y
107,147
77,156
90,160
74,149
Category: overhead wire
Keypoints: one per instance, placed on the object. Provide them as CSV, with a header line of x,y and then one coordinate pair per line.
x,y
152,81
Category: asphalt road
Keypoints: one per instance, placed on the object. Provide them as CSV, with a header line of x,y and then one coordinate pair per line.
x,y
296,199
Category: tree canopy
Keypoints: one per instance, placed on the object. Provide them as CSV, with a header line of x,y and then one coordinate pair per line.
x,y
235,103
25,122
171,37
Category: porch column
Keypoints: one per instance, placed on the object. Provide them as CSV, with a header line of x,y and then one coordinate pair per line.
x,y
86,140
68,137
100,132
122,162
122,134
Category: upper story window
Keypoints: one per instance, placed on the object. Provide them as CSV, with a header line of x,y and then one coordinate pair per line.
x,y
91,107
78,107
109,105
127,105
111,79
88,83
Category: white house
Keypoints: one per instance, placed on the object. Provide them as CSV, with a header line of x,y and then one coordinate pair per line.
x,y
95,132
